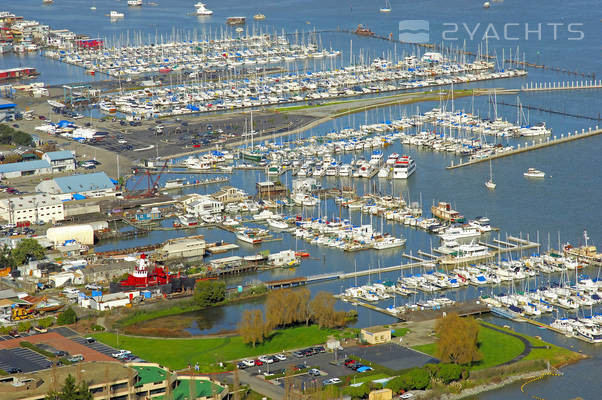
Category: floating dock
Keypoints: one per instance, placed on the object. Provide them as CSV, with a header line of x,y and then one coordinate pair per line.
x,y
536,145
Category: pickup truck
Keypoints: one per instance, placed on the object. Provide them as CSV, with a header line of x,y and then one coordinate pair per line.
x,y
121,353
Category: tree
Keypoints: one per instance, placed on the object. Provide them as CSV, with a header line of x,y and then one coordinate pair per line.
x,y
323,312
357,392
304,310
67,317
5,259
71,391
25,250
209,292
252,327
419,378
399,384
458,339
449,373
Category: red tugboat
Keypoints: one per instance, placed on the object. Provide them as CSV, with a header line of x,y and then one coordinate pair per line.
x,y
142,278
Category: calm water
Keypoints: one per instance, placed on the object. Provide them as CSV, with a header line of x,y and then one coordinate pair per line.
x,y
566,201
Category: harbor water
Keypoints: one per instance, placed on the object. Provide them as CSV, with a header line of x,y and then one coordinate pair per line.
x,y
567,201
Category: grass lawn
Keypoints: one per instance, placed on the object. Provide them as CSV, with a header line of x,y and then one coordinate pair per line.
x,y
177,353
496,347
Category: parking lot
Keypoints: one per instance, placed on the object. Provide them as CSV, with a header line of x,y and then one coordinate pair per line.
x,y
390,355
25,360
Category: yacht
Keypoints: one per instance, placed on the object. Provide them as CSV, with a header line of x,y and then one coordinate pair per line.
x,y
388,242
202,10
345,170
134,3
188,220
259,17
455,233
252,236
490,184
403,167
115,14
277,224
384,172
534,173
482,224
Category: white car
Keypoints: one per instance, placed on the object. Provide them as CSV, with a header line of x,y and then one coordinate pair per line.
x,y
280,357
248,363
121,353
266,359
406,396
331,381
122,141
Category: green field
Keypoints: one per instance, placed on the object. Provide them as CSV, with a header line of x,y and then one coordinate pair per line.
x,y
177,353
497,348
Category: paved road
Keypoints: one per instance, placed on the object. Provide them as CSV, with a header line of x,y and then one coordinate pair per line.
x,y
260,386
526,343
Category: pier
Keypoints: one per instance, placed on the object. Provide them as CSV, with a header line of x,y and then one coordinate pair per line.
x,y
565,85
536,145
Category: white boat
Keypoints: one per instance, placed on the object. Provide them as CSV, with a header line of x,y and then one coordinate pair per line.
x,y
277,224
490,184
386,8
388,242
188,220
534,173
264,215
252,236
384,172
202,10
285,258
455,233
134,3
259,17
115,14
404,167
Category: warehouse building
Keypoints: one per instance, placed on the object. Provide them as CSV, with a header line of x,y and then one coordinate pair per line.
x,y
97,184
33,208
62,160
83,234
25,168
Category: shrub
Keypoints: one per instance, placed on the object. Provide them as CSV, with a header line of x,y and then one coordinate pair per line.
x,y
449,373
67,317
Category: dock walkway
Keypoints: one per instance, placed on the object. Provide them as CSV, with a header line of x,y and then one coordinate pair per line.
x,y
536,145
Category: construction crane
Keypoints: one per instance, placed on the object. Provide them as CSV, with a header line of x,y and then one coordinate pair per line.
x,y
151,184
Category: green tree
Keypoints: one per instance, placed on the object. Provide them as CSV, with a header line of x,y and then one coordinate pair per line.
x,y
71,391
357,392
67,317
5,259
419,378
209,292
399,384
27,249
449,373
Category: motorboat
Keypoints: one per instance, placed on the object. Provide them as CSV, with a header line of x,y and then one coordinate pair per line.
x,y
534,173
404,167
277,224
115,14
202,10
455,233
259,17
135,3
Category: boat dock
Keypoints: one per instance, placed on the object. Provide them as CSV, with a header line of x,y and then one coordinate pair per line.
x,y
536,145
566,85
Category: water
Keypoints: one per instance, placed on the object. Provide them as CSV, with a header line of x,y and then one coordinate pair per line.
x,y
567,200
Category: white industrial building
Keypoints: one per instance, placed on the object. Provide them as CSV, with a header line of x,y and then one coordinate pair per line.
x,y
25,168
33,208
97,184
63,160
82,234
59,279
110,301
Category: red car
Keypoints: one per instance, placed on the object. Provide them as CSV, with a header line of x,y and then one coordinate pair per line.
x,y
258,362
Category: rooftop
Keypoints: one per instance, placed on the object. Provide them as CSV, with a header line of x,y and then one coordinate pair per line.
x,y
84,182
31,201
202,388
149,374
24,166
59,155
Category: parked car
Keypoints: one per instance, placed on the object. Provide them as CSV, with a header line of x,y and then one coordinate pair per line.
x,y
266,359
331,381
248,363
314,372
40,329
299,354
319,349
93,287
76,358
90,340
258,362
280,357
121,353
241,365
14,370
406,396
14,333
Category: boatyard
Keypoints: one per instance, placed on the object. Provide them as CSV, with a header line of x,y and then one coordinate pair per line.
x,y
282,200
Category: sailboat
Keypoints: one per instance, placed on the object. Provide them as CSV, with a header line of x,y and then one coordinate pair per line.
x,y
386,8
490,184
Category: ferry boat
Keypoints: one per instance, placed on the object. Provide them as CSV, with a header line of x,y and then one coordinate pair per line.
x,y
444,212
534,173
363,31
404,167
236,20
202,10
115,14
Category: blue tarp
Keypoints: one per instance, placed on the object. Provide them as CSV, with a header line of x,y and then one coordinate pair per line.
x,y
77,196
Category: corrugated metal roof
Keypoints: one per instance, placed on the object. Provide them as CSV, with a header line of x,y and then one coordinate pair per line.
x,y
24,166
84,182
59,155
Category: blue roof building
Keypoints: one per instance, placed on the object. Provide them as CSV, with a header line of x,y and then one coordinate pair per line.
x,y
15,170
97,184
62,160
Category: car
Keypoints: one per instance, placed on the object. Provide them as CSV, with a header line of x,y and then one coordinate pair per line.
x,y
314,372
331,381
40,329
90,340
93,287
406,396
299,354
349,362
280,357
122,141
14,370
14,333
76,358
319,349
120,353
258,362
266,359
241,365
248,363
